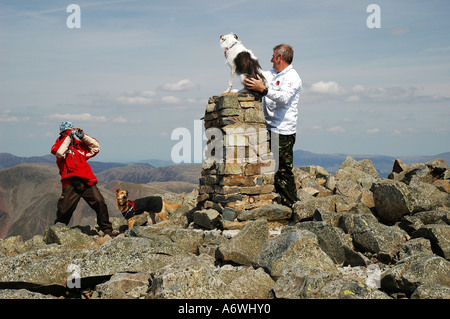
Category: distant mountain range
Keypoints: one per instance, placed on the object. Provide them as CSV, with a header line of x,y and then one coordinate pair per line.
x,y
146,171
382,163
30,186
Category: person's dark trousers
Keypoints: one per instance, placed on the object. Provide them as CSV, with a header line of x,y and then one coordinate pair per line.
x,y
69,199
284,177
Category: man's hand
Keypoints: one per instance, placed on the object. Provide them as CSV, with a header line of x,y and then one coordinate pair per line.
x,y
255,84
79,133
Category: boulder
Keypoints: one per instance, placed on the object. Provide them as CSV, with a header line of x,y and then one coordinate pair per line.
x,y
298,282
424,172
198,278
415,246
189,278
371,236
188,239
207,218
245,246
123,286
328,216
71,237
246,282
293,247
365,166
41,268
431,292
394,199
411,223
304,210
328,239
439,236
23,294
411,272
127,254
270,212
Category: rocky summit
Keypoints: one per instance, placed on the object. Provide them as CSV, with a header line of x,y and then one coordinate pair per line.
x,y
352,234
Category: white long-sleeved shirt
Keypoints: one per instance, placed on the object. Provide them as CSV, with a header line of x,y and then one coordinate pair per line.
x,y
281,101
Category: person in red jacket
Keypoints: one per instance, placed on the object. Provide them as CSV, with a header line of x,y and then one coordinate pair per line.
x,y
72,150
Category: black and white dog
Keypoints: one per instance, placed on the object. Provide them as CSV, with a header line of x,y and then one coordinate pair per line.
x,y
241,60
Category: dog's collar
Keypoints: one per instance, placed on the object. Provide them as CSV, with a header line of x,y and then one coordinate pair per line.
x,y
125,206
226,49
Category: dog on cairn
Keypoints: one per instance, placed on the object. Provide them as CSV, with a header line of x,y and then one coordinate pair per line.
x,y
241,60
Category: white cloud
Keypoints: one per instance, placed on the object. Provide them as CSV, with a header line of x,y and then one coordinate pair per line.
x,y
170,99
322,87
120,119
358,88
353,98
399,31
6,117
137,98
182,85
84,117
373,131
337,129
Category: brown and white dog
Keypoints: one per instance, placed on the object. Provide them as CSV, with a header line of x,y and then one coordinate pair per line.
x,y
154,205
241,60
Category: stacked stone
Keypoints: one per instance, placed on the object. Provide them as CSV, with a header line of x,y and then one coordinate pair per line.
x,y
237,173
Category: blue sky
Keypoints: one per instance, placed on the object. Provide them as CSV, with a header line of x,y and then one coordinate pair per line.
x,y
137,70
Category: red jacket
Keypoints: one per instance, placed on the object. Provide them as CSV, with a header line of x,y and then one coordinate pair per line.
x,y
71,156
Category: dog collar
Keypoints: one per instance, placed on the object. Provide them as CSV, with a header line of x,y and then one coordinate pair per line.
x,y
130,211
226,49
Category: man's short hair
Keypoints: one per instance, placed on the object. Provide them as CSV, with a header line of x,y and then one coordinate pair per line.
x,y
286,51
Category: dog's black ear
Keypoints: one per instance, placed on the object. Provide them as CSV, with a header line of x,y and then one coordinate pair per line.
x,y
236,36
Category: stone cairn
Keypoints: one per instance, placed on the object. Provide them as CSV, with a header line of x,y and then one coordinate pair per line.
x,y
238,170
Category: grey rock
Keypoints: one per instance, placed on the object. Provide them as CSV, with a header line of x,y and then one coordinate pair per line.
x,y
269,212
328,239
304,210
411,272
244,247
298,282
126,254
371,236
293,247
411,223
71,237
415,246
208,218
37,268
393,199
431,292
123,286
439,236
188,239
23,294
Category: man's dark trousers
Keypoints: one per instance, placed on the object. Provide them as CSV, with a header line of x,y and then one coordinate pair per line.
x,y
284,177
69,199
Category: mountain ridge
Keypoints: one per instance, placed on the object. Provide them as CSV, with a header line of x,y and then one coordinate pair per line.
x,y
331,162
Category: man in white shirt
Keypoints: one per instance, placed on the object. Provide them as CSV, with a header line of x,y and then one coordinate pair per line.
x,y
280,109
